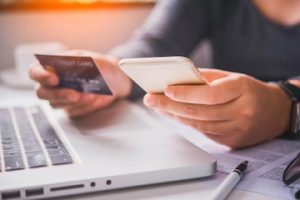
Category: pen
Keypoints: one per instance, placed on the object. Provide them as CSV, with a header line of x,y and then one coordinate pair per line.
x,y
229,182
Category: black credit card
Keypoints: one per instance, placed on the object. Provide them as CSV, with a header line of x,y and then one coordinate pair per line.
x,y
76,72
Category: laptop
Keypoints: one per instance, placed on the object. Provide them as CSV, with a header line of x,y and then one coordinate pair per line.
x,y
44,154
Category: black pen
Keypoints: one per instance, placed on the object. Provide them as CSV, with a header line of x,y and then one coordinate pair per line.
x,y
229,182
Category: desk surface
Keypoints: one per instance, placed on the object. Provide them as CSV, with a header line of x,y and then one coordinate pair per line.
x,y
196,189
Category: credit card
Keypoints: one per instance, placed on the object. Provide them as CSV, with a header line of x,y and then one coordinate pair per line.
x,y
76,72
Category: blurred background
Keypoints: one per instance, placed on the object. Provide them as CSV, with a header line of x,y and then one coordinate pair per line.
x,y
81,24
96,25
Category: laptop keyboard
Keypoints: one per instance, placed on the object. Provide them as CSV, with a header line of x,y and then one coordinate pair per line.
x,y
28,140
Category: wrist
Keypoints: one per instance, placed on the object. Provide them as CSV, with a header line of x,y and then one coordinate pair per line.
x,y
284,103
292,89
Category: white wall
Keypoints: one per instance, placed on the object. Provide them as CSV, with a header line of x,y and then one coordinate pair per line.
x,y
97,30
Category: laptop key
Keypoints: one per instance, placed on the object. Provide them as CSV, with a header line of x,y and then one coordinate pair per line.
x,y
36,159
60,160
50,138
12,153
32,147
13,163
8,140
58,152
33,150
11,149
54,147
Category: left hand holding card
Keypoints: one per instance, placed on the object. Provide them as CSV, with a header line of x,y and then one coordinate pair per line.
x,y
76,72
75,102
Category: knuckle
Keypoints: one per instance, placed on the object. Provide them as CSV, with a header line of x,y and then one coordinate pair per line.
x,y
248,114
242,80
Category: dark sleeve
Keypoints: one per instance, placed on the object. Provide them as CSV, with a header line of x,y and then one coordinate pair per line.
x,y
174,27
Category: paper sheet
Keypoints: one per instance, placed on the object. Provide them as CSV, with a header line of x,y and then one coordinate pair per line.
x,y
266,162
266,165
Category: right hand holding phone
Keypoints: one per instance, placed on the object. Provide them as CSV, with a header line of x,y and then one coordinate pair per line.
x,y
234,109
78,104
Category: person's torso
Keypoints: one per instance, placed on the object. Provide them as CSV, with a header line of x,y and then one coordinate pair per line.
x,y
244,40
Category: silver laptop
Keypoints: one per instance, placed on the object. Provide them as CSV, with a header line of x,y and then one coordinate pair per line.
x,y
43,154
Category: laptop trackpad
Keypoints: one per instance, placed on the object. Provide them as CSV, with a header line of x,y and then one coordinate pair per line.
x,y
124,136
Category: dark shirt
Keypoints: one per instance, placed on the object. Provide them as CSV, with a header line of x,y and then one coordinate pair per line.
x,y
243,39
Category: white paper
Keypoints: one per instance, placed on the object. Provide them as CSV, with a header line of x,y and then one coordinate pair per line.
x,y
267,162
266,165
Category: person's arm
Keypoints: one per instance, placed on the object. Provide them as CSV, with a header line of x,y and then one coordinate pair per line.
x,y
175,27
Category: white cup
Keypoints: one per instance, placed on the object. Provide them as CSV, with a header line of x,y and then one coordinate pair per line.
x,y
24,58
24,55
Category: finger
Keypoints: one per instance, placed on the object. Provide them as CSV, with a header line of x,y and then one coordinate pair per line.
x,y
224,139
218,128
108,66
44,77
85,99
58,95
60,105
213,74
217,92
100,102
219,112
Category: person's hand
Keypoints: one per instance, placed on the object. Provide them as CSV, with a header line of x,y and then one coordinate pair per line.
x,y
233,109
78,104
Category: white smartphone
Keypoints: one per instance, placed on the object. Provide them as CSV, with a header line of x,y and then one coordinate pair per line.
x,y
155,74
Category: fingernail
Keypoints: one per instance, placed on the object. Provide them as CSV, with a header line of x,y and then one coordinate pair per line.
x,y
148,101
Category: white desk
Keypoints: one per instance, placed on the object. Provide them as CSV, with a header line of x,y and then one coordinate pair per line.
x,y
196,189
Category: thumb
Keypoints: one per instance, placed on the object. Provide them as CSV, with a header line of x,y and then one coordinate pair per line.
x,y
117,81
218,91
213,74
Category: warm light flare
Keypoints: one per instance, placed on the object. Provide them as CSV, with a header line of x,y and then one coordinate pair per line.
x,y
80,1
73,1
64,4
